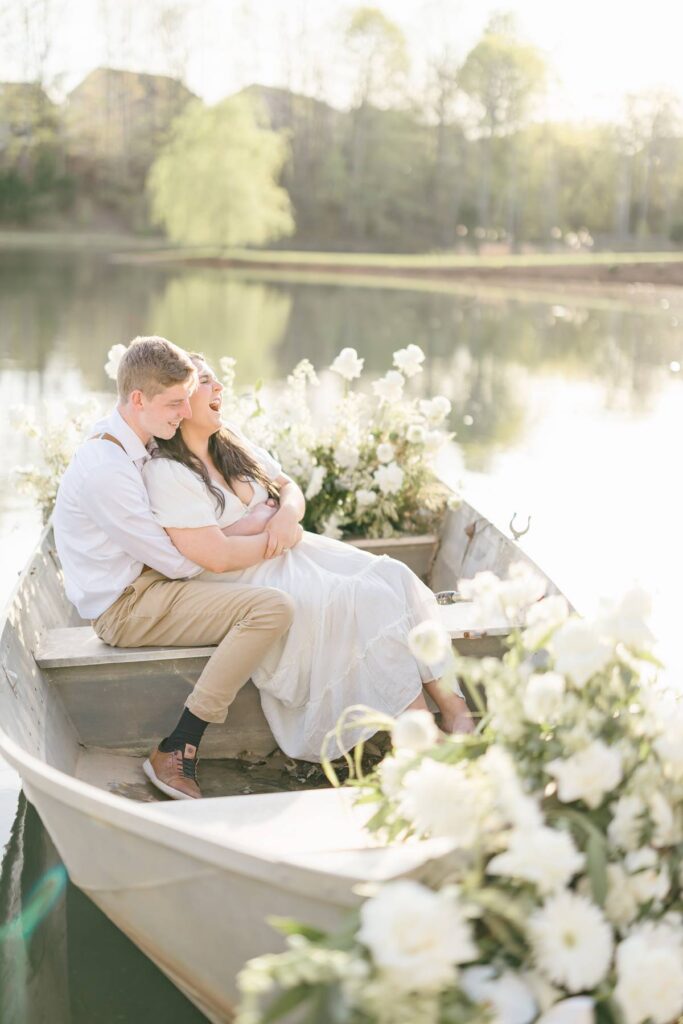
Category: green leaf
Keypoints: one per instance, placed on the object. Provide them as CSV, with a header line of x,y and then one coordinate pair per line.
x,y
289,926
597,867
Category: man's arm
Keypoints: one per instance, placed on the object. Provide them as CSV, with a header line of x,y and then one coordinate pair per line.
x,y
117,502
283,529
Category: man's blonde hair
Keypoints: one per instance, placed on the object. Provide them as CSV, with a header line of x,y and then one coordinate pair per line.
x,y
151,365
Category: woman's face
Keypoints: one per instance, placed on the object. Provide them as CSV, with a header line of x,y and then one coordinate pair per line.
x,y
206,400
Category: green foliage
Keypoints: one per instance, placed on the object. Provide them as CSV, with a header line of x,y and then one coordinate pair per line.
x,y
215,180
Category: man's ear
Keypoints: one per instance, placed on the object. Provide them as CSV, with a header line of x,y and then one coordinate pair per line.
x,y
136,400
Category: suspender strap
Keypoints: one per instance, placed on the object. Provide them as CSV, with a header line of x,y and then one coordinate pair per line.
x,y
107,437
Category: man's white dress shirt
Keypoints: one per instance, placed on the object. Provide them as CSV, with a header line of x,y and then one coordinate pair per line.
x,y
104,527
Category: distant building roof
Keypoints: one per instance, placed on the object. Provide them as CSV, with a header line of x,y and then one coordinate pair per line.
x,y
139,78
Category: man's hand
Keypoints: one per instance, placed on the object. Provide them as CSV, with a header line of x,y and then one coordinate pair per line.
x,y
283,532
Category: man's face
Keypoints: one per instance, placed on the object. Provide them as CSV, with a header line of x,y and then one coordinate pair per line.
x,y
160,416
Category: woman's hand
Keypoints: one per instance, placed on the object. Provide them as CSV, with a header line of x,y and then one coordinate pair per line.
x,y
283,532
254,521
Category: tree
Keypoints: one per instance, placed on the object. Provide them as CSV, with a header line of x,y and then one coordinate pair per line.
x,y
215,180
502,75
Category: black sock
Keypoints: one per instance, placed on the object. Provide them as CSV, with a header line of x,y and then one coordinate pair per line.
x,y
189,729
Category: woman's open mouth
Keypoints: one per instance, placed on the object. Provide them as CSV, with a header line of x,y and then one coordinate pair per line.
x,y
216,405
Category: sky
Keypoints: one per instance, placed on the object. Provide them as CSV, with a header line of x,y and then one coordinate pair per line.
x,y
598,50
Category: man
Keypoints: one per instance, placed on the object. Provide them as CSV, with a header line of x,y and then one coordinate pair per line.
x,y
123,573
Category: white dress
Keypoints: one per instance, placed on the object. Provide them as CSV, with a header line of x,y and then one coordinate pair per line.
x,y
353,612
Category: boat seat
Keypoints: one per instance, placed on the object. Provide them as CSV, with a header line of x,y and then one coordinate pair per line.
x,y
125,698
78,646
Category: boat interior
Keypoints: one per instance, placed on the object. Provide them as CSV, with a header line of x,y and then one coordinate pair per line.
x,y
94,711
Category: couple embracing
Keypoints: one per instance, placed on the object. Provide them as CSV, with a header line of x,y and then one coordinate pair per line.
x,y
173,529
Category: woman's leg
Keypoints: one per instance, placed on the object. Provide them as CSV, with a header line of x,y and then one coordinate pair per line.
x,y
455,715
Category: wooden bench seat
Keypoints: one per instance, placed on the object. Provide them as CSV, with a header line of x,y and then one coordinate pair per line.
x,y
77,646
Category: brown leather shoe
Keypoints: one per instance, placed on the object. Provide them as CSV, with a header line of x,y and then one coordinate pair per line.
x,y
174,773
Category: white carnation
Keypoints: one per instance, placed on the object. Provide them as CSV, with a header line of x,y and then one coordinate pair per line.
x,y
648,879
409,360
572,941
507,995
114,357
385,452
389,478
348,364
625,828
543,697
429,642
416,937
414,730
517,807
346,455
364,499
390,387
544,856
621,905
315,482
579,651
587,775
650,975
443,800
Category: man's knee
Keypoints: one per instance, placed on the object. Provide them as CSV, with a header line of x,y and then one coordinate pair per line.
x,y
278,605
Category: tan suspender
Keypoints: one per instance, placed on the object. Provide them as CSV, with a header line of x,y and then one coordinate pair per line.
x,y
107,437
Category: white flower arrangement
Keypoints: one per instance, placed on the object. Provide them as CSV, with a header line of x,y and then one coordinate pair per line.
x,y
561,899
58,438
365,463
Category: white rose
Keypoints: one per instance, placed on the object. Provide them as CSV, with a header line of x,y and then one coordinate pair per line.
x,y
414,730
507,995
315,483
626,620
443,800
390,387
346,455
544,856
416,434
385,452
577,1010
364,499
543,697
571,941
389,478
409,360
587,775
429,642
435,410
579,651
543,618
114,357
650,975
348,364
416,937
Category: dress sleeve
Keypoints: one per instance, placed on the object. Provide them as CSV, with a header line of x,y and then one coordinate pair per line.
x,y
178,497
270,464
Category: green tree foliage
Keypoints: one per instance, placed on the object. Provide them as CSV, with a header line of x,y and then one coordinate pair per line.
x,y
215,180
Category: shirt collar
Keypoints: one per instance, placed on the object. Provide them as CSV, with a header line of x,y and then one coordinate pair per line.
x,y
116,425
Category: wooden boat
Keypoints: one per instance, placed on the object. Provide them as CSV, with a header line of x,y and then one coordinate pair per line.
x,y
192,883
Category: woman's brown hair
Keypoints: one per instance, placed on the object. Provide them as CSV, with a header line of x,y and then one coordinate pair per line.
x,y
228,454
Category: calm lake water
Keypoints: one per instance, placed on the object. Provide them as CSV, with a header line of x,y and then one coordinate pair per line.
x,y
567,407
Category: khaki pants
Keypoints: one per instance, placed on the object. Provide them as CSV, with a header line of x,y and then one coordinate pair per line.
x,y
242,620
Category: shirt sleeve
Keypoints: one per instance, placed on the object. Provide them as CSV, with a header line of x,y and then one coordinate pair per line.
x,y
178,497
270,464
117,502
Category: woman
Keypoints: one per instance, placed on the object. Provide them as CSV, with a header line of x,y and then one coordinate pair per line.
x,y
348,642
